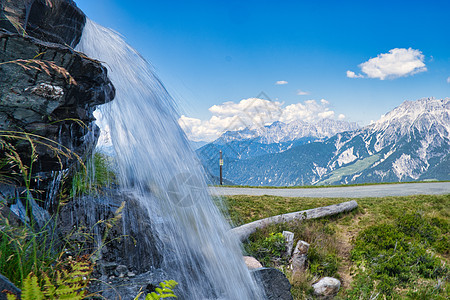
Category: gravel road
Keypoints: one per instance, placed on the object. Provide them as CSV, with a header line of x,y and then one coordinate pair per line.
x,y
382,190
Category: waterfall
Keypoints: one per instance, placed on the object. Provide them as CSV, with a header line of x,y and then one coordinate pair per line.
x,y
156,163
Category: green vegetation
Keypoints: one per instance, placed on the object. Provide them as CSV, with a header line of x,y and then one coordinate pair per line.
x,y
401,254
326,186
389,248
267,249
165,291
97,174
68,281
358,166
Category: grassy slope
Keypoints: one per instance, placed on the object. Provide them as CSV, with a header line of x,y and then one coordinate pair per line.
x,y
325,186
371,211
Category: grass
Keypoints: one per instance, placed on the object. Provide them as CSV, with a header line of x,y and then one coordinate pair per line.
x,y
416,267
97,174
326,186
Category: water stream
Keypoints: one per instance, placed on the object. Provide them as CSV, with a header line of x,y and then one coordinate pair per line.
x,y
156,163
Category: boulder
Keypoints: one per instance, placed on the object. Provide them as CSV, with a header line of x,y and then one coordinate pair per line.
x,y
326,288
57,21
252,263
274,282
39,97
7,286
123,237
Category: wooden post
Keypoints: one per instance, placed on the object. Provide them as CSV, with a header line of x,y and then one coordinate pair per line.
x,y
220,165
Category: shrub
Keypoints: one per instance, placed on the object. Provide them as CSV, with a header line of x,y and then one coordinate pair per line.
x,y
269,249
396,254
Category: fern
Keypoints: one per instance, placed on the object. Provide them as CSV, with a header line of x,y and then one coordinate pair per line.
x,y
166,291
31,289
70,283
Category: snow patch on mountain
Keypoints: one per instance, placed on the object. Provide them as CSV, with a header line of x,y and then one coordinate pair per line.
x,y
404,167
279,132
346,157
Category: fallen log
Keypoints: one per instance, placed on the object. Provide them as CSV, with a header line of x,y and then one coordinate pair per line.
x,y
244,231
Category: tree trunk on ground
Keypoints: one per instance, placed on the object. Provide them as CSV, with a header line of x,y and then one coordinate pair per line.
x,y
244,231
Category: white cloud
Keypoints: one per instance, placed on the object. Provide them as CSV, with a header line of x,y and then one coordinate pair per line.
x,y
252,113
281,82
398,62
351,74
341,117
302,93
448,79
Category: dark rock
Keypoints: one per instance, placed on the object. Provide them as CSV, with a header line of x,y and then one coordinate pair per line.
x,y
121,271
57,21
126,237
274,282
127,288
48,105
106,268
7,286
14,202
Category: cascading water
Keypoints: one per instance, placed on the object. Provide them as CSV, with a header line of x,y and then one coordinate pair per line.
x,y
156,162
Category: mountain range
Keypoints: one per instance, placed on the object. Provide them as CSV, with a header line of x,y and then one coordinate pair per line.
x,y
409,143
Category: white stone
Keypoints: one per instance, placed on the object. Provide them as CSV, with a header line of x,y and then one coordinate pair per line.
x,y
327,287
289,237
252,263
301,248
298,262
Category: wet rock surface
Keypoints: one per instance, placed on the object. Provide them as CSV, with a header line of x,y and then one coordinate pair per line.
x,y
119,228
57,21
44,102
128,287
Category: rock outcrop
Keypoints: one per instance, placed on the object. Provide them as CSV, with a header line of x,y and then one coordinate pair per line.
x,y
57,21
118,226
53,96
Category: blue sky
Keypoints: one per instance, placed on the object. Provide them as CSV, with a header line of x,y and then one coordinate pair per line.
x,y
211,52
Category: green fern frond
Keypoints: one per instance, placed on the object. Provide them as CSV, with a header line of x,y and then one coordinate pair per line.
x,y
11,297
164,292
31,289
49,288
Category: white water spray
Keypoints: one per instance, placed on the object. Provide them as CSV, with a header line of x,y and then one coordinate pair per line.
x,y
157,163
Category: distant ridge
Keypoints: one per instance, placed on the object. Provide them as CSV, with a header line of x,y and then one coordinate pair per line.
x,y
411,142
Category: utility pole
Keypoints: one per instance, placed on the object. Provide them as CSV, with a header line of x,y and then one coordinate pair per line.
x,y
221,164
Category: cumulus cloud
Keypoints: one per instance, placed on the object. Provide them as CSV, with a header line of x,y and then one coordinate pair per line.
x,y
252,113
281,82
302,93
398,62
351,74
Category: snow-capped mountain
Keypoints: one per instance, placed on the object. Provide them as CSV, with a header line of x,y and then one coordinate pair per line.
x,y
275,138
412,142
280,132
